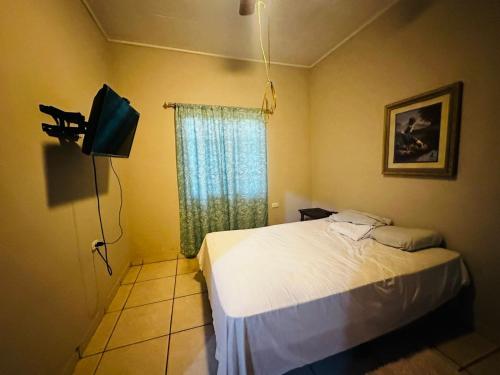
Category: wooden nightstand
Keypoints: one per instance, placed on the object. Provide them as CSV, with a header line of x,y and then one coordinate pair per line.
x,y
314,213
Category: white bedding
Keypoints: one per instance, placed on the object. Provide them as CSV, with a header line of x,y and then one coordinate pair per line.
x,y
287,295
355,232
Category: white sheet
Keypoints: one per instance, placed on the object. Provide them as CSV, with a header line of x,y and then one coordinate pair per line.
x,y
287,295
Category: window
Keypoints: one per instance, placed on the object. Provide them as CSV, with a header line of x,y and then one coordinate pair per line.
x,y
221,169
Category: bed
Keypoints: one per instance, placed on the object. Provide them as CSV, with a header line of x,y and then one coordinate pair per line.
x,y
287,295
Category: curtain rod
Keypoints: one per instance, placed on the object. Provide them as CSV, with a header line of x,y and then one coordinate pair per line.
x,y
169,105
174,105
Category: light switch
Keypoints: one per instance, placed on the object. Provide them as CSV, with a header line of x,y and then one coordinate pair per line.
x,y
275,205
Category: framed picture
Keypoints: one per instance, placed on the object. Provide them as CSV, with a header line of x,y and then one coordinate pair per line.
x,y
422,133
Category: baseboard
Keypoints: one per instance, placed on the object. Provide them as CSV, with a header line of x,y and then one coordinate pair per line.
x,y
96,319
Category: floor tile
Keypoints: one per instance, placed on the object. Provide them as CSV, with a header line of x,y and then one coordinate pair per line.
x,y
191,311
161,256
87,365
189,283
187,266
487,366
151,291
425,361
141,323
98,342
192,352
131,275
120,297
465,348
148,357
156,270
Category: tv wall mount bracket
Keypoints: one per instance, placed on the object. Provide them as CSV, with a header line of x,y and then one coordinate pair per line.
x,y
64,120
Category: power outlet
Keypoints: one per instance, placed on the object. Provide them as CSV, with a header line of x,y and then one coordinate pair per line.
x,y
275,205
93,246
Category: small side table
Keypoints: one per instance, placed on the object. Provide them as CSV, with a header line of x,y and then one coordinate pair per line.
x,y
314,213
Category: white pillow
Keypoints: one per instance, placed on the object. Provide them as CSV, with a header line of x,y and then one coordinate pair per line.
x,y
408,239
358,217
355,232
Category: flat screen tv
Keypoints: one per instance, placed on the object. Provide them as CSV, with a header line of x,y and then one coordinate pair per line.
x,y
111,126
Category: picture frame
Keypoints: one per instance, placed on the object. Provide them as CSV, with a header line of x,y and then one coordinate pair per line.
x,y
421,134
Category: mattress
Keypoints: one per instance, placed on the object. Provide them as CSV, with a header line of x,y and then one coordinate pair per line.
x,y
287,295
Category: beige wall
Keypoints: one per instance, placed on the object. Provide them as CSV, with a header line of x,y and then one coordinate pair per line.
x,y
52,53
414,47
151,76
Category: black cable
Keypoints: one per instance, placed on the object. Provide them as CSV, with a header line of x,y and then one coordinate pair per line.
x,y
121,203
105,256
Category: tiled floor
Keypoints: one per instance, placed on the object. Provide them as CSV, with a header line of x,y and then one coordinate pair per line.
x,y
160,323
160,317
409,352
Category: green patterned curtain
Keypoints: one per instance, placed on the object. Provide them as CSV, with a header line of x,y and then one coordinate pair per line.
x,y
221,171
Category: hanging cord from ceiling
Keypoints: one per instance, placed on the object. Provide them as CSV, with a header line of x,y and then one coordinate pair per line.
x,y
269,99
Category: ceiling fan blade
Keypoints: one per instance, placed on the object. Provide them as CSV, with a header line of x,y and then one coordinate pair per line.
x,y
247,7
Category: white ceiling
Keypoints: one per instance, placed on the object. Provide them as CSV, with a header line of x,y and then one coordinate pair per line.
x,y
302,31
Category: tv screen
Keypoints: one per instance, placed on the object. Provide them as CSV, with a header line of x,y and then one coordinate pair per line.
x,y
111,126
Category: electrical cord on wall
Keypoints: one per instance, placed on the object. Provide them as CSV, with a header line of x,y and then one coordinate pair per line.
x,y
121,203
103,243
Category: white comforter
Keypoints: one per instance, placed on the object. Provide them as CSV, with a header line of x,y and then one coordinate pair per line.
x,y
287,295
